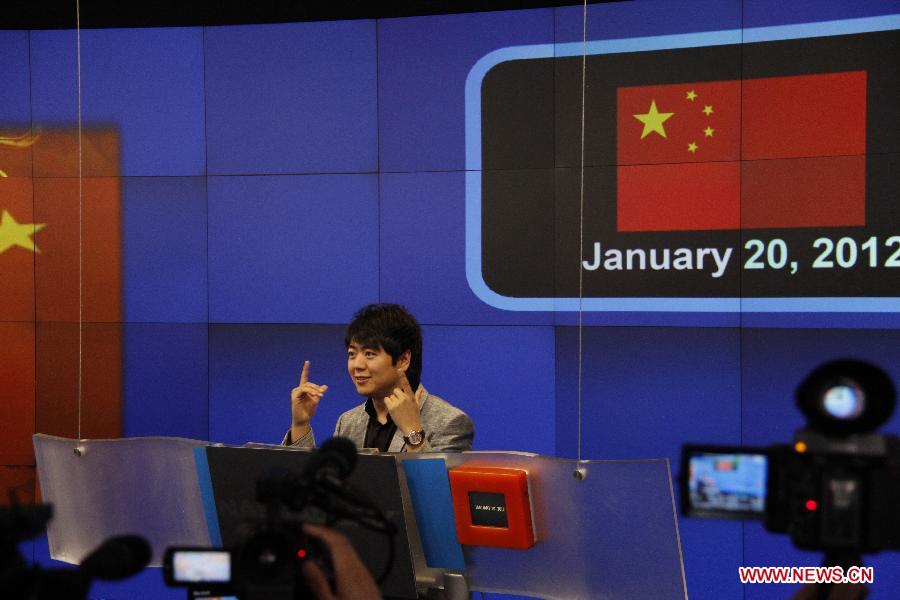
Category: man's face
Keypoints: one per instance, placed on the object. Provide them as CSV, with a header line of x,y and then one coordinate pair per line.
x,y
372,370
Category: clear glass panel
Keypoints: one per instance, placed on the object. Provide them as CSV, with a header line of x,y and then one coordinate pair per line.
x,y
612,534
145,486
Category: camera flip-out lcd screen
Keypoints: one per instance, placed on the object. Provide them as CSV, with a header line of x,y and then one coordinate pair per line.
x,y
723,483
202,566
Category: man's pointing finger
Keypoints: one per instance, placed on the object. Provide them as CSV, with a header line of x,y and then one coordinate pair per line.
x,y
304,374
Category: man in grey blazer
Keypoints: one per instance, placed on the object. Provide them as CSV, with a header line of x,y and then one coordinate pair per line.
x,y
384,360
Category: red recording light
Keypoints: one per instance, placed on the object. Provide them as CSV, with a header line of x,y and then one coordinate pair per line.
x,y
811,505
301,553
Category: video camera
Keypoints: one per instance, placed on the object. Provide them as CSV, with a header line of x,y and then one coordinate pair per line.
x,y
836,488
266,563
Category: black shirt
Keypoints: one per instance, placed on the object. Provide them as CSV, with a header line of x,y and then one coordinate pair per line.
x,y
378,435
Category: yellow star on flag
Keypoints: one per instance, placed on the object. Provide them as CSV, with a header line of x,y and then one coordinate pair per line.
x,y
17,234
653,120
707,110
708,131
692,147
691,95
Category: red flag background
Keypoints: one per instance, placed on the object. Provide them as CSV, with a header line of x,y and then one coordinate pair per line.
x,y
39,306
758,153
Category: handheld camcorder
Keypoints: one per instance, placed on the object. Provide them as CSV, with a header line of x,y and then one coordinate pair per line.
x,y
266,564
836,488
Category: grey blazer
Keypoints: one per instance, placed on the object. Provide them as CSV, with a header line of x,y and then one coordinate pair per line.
x,y
447,429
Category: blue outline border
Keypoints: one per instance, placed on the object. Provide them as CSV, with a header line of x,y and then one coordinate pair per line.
x,y
432,502
663,42
207,497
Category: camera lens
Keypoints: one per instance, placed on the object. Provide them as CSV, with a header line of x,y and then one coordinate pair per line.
x,y
845,401
846,397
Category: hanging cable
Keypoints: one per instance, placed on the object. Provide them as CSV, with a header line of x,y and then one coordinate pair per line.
x,y
80,221
581,227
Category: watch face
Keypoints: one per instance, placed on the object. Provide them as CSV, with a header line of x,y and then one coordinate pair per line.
x,y
415,438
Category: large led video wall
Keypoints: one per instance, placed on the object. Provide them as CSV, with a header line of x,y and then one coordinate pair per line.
x,y
710,187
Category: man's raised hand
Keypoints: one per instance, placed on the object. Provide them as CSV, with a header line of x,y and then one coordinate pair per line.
x,y
403,407
304,401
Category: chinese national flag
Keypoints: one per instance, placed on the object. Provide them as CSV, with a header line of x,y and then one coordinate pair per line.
x,y
42,267
759,153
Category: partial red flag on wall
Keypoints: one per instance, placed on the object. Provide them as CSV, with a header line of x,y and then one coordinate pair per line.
x,y
59,265
758,153
64,265
18,246
17,367
97,262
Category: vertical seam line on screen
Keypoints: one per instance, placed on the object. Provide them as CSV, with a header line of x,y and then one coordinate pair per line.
x,y
206,192
377,160
581,226
556,231
80,217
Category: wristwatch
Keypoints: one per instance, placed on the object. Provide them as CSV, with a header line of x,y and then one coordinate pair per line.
x,y
414,438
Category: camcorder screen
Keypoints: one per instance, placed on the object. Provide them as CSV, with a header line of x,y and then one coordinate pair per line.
x,y
725,482
201,566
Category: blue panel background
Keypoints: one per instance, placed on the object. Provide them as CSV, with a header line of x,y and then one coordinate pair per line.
x,y
252,369
164,233
650,17
166,388
763,13
503,377
15,93
54,84
647,391
820,320
294,98
152,81
146,82
422,67
290,249
423,252
649,319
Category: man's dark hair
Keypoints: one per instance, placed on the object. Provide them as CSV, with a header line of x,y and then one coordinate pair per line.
x,y
392,327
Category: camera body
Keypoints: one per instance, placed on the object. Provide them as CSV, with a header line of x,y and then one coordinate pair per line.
x,y
266,561
266,565
836,488
266,551
838,495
